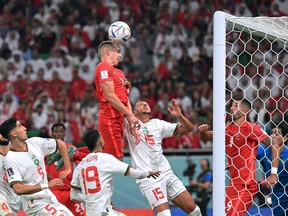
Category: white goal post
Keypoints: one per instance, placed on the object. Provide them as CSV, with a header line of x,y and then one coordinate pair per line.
x,y
269,28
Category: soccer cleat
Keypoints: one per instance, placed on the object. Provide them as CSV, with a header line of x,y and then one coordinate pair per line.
x,y
56,156
71,150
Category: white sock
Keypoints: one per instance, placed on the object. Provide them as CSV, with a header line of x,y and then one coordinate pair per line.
x,y
164,213
196,212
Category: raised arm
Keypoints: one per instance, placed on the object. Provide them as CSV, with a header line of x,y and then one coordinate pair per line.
x,y
205,134
185,125
276,149
64,153
21,189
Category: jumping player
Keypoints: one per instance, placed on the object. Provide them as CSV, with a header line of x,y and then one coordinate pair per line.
x,y
92,177
112,91
147,155
242,139
26,170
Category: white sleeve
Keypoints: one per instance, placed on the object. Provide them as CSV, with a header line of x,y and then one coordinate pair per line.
x,y
75,182
45,145
75,195
167,128
138,174
12,170
113,165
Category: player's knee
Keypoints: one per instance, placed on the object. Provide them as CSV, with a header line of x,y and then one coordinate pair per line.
x,y
164,213
196,212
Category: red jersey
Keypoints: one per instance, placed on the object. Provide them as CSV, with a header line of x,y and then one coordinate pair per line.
x,y
241,148
103,73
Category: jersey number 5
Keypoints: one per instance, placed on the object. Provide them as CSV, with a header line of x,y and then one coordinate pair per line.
x,y
90,175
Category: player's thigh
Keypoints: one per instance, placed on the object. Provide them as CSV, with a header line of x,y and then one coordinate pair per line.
x,y
155,192
39,208
76,208
112,134
178,194
239,198
185,201
5,208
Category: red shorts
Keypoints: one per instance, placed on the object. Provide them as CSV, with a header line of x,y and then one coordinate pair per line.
x,y
239,198
112,133
63,196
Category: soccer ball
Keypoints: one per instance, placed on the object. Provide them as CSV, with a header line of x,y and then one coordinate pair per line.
x,y
119,32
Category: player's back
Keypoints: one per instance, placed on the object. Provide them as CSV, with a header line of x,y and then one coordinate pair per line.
x,y
94,175
241,148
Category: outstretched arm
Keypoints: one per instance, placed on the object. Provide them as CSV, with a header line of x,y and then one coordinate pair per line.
x,y
137,174
205,134
20,188
276,149
185,125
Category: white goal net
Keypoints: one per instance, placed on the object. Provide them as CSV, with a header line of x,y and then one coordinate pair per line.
x,y
250,62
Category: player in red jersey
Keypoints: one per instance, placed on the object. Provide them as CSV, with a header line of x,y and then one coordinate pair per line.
x,y
63,193
242,139
112,92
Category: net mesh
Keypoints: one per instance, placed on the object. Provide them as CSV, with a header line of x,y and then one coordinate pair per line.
x,y
256,69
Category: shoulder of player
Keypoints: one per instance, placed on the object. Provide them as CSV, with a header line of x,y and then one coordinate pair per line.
x,y
103,66
251,126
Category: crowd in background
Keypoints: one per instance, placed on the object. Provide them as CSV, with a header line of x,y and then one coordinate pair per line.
x,y
48,53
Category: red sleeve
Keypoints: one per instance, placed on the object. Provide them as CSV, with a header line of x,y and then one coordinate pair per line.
x,y
78,156
104,72
83,150
258,133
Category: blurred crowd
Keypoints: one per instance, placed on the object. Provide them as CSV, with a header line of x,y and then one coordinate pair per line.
x,y
48,53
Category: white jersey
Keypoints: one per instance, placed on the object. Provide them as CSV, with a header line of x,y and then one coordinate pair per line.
x,y
29,167
148,153
93,176
6,192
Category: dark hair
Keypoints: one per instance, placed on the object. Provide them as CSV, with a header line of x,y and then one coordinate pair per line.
x,y
4,142
243,101
91,138
58,124
7,126
281,125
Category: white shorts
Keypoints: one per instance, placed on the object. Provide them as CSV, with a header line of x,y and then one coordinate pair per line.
x,y
5,208
44,208
112,213
162,189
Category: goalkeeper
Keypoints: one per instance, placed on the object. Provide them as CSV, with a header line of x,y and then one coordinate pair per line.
x,y
242,138
279,195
